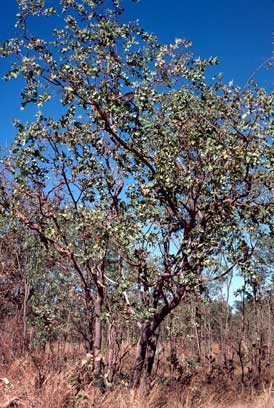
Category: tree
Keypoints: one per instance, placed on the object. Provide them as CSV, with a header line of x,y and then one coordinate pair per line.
x,y
141,156
255,312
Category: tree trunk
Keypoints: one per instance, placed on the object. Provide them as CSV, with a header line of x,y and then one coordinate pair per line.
x,y
88,335
98,333
149,329
111,352
25,317
139,361
151,351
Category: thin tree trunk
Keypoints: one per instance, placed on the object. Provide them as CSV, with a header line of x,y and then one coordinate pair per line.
x,y
25,322
88,335
98,333
111,352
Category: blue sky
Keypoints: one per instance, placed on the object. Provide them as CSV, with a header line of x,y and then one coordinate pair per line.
x,y
239,32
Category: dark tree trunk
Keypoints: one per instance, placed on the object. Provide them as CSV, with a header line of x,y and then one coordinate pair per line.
x,y
149,329
140,356
151,351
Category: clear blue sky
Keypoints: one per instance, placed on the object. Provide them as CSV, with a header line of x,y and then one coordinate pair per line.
x,y
239,32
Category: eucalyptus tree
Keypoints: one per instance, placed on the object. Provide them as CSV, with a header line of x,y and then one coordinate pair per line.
x,y
19,260
78,240
131,149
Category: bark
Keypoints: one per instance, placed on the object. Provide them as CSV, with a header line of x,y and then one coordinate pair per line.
x,y
111,353
25,318
88,335
173,354
140,356
151,351
98,333
148,330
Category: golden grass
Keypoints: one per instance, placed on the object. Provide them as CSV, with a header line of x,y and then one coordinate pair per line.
x,y
39,381
58,391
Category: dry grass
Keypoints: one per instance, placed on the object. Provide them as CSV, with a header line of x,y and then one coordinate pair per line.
x,y
46,380
58,391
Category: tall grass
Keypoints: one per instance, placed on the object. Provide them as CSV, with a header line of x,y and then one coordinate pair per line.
x,y
50,379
